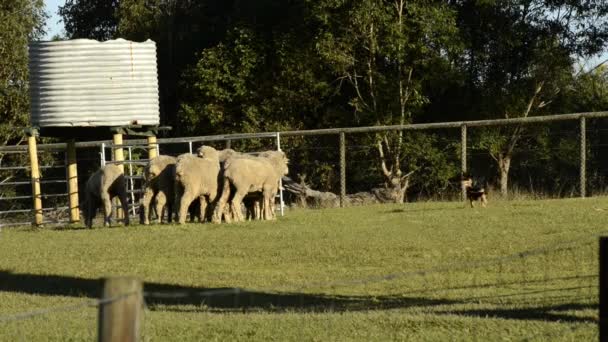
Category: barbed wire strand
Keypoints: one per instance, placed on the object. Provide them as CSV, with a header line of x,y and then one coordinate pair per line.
x,y
72,307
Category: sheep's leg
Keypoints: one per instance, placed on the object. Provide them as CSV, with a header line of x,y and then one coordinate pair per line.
x,y
227,214
107,208
184,203
203,208
268,196
169,210
266,210
484,200
221,203
257,208
125,207
161,201
148,195
237,210
179,191
90,209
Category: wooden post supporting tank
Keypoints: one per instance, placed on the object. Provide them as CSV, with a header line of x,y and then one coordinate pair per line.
x,y
73,182
152,147
35,176
118,157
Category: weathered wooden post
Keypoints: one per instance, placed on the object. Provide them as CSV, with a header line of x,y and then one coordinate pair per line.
x,y
342,169
73,181
603,318
463,158
153,147
583,143
118,157
32,149
121,311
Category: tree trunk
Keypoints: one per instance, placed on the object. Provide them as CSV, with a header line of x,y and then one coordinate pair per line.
x,y
504,164
397,189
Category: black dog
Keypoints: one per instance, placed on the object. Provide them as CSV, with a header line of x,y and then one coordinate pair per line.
x,y
474,191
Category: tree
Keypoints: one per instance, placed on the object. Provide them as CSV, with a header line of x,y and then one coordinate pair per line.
x,y
519,56
93,19
380,53
20,22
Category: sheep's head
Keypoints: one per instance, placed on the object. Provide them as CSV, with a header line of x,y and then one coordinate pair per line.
x,y
467,182
226,153
278,159
208,152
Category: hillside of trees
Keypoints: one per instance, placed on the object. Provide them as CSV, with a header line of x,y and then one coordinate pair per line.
x,y
228,66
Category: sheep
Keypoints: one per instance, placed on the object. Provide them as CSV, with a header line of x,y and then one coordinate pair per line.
x,y
252,174
159,177
223,155
196,177
101,187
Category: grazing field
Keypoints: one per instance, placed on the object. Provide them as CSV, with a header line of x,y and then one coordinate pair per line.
x,y
520,270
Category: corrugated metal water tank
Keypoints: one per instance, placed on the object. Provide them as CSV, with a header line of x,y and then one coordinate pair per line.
x,y
86,83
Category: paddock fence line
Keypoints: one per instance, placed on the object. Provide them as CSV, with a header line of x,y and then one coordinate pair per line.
x,y
342,151
124,299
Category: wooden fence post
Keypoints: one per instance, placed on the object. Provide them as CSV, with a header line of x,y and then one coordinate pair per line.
x,y
35,176
73,181
153,147
463,158
583,168
342,169
119,157
120,319
603,271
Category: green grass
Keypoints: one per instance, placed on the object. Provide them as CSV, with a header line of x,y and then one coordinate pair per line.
x,y
319,275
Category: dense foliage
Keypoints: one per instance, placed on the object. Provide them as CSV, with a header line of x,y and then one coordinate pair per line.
x,y
249,66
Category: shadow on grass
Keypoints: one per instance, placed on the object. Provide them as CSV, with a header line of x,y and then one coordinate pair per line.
x,y
410,210
168,297
541,313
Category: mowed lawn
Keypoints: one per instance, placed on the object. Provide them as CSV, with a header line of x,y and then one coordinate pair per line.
x,y
518,270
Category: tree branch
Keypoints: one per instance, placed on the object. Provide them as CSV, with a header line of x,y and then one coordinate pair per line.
x,y
386,172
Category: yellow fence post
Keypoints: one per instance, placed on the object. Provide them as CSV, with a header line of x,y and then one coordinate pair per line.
x,y
73,182
152,147
119,157
35,176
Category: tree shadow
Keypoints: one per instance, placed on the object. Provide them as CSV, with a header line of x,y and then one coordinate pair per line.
x,y
169,297
411,210
178,298
549,313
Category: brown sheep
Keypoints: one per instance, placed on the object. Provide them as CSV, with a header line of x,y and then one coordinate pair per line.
x,y
159,177
103,185
251,175
196,177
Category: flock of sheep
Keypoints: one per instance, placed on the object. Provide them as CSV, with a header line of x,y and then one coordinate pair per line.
x,y
220,180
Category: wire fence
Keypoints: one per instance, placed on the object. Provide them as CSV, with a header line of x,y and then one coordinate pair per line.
x,y
554,157
556,284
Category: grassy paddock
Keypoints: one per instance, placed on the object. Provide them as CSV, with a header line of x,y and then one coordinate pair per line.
x,y
422,271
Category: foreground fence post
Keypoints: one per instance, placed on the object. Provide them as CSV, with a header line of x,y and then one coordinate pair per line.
x,y
73,182
32,149
583,144
463,158
603,321
120,318
342,169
